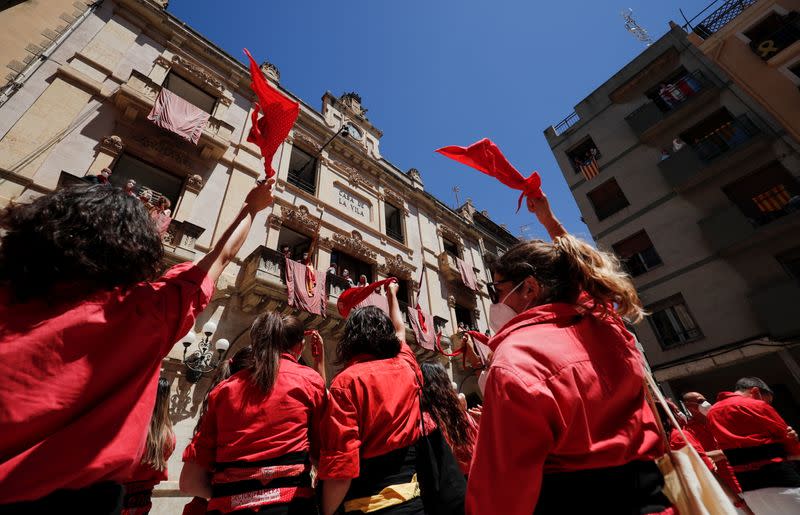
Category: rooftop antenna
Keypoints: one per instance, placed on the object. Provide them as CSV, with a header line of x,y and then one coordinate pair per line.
x,y
634,28
456,191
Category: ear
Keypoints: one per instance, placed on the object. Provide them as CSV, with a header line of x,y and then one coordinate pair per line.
x,y
531,288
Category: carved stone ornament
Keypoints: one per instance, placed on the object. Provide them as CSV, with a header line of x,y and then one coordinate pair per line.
x,y
198,72
271,71
396,267
414,175
354,177
446,232
164,147
351,101
353,244
451,301
274,221
194,183
299,218
112,145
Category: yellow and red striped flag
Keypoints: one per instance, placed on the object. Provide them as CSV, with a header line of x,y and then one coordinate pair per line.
x,y
589,168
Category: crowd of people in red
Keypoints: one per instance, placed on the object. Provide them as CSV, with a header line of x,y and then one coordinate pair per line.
x,y
565,426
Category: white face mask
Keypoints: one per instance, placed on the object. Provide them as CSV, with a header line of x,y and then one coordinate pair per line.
x,y
704,407
501,313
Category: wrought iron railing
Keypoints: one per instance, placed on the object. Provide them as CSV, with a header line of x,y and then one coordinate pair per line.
x,y
565,124
336,285
725,138
723,15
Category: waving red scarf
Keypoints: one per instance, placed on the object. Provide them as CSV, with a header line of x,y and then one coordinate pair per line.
x,y
358,294
269,131
485,157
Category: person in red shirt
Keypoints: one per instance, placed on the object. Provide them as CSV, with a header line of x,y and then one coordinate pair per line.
x,y
565,426
445,407
373,417
697,425
83,330
153,468
758,443
260,432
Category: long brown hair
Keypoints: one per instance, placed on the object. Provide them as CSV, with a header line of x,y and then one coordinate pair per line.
x,y
160,437
440,400
568,266
271,335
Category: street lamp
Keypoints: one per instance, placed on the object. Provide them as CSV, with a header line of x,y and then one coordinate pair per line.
x,y
202,361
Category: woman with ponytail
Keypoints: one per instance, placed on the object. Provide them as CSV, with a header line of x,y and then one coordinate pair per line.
x,y
565,426
158,448
260,432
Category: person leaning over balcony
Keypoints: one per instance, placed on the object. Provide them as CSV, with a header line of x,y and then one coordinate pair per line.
x,y
260,433
565,426
759,445
372,421
83,329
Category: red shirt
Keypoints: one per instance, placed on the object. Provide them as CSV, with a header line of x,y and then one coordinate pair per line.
x,y
701,431
243,424
738,421
79,380
373,409
564,393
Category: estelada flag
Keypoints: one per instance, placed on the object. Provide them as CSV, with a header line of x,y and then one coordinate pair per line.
x,y
358,294
269,131
485,157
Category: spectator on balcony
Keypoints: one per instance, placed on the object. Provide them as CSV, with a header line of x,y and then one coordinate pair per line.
x,y
671,95
362,281
92,279
130,188
101,178
286,251
677,144
161,214
332,269
346,277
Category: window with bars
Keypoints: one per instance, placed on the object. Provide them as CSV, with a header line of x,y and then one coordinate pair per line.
x,y
637,253
303,170
672,322
191,93
607,199
394,223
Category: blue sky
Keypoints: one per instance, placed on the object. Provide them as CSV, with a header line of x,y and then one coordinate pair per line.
x,y
446,72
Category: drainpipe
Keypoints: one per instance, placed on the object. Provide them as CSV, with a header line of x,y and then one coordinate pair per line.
x,y
15,85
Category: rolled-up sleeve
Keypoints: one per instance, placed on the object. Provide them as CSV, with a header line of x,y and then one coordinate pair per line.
x,y
341,438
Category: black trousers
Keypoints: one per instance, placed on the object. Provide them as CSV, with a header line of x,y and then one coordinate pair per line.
x,y
99,499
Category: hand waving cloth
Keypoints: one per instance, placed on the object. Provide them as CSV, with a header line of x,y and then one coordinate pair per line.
x,y
485,157
269,131
422,325
352,297
297,293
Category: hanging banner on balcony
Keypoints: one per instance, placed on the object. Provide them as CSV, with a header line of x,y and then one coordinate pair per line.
x,y
297,293
422,325
467,275
177,115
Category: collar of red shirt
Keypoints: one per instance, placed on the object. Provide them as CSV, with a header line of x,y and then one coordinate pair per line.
x,y
286,355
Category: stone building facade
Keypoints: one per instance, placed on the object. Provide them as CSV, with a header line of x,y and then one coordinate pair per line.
x,y
692,183
86,108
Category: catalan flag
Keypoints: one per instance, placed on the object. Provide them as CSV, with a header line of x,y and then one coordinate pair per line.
x,y
589,168
774,199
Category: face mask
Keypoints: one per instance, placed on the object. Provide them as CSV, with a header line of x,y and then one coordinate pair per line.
x,y
681,418
501,313
704,407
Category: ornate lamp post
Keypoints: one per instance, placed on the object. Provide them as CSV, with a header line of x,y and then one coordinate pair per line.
x,y
202,360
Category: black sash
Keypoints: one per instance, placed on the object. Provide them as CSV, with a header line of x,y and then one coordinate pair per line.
x,y
630,489
746,455
98,499
393,468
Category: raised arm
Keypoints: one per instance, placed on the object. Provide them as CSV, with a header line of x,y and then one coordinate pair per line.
x,y
235,235
394,311
541,208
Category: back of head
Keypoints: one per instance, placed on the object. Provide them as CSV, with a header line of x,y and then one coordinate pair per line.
x,y
368,330
746,384
159,436
94,235
271,335
568,266
441,401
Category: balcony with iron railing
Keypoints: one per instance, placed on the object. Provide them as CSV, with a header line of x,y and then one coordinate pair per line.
x,y
720,17
335,285
566,124
729,229
137,97
726,147
654,119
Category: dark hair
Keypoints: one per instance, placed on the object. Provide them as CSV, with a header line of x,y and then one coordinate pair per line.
x,y
96,235
241,360
746,383
368,330
160,437
568,266
440,400
270,335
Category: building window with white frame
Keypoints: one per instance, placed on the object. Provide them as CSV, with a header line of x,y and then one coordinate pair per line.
x,y
672,322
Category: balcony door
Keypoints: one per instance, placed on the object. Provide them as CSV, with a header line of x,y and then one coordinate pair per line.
x,y
147,177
